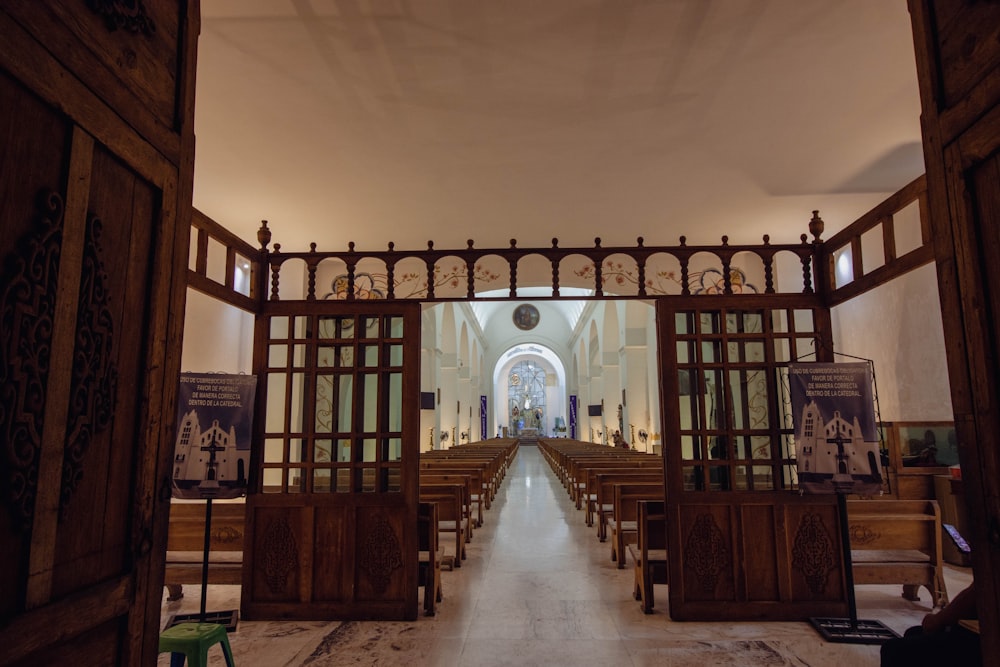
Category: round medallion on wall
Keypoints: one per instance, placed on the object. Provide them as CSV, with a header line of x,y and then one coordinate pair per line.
x,y
525,317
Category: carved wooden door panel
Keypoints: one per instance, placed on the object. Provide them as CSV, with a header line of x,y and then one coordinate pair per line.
x,y
93,257
740,537
958,67
331,517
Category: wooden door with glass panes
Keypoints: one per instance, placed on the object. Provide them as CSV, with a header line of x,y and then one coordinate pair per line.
x,y
743,543
331,529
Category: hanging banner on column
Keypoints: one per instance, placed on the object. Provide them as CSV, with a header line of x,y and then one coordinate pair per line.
x,y
212,450
572,416
837,446
482,418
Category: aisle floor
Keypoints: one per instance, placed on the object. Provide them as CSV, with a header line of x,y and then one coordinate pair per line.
x,y
538,588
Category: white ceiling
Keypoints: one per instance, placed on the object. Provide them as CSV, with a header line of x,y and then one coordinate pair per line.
x,y
446,120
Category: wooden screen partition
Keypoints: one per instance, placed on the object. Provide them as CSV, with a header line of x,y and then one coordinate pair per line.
x,y
742,542
332,512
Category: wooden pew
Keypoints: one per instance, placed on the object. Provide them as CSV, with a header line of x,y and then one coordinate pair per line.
x,y
624,523
450,499
581,469
898,542
473,509
483,486
186,544
603,504
649,553
588,472
430,556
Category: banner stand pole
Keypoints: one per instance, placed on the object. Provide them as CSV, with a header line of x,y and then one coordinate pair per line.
x,y
204,562
229,618
850,630
846,630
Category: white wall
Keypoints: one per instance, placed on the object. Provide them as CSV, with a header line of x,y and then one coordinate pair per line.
x,y
898,325
218,338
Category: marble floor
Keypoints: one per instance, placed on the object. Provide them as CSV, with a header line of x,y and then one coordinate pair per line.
x,y
538,588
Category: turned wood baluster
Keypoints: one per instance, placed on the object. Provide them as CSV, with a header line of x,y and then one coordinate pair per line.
x,y
641,265
555,269
430,270
806,258
275,268
768,268
390,274
470,270
513,270
311,273
727,276
598,270
351,264
685,289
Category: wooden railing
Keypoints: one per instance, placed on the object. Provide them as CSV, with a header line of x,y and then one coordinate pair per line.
x,y
613,272
890,264
239,256
597,272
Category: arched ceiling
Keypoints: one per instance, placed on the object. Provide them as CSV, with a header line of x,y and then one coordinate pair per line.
x,y
408,120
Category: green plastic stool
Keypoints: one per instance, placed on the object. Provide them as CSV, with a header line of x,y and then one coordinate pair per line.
x,y
192,641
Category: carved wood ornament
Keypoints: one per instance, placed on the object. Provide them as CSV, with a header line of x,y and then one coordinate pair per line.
x,y
381,553
95,375
126,14
279,554
706,552
812,552
27,310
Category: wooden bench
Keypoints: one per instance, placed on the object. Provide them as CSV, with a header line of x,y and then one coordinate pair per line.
x,y
623,524
898,542
473,508
186,545
603,504
584,469
650,551
450,499
430,556
482,486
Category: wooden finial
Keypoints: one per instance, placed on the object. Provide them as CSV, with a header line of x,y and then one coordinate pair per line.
x,y
263,235
816,225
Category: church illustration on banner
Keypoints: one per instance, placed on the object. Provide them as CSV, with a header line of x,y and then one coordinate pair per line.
x,y
207,463
833,455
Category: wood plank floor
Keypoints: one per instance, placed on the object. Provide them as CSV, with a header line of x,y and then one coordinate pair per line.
x,y
539,589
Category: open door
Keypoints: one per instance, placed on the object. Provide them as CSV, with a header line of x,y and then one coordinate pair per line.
x,y
742,542
332,512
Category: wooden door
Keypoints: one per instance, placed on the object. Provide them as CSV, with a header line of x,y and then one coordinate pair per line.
x,y
958,66
332,513
94,199
740,536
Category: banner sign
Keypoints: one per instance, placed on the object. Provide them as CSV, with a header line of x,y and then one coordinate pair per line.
x,y
572,416
837,445
482,418
212,451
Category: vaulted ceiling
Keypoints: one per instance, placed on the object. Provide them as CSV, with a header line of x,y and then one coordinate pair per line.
x,y
413,120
